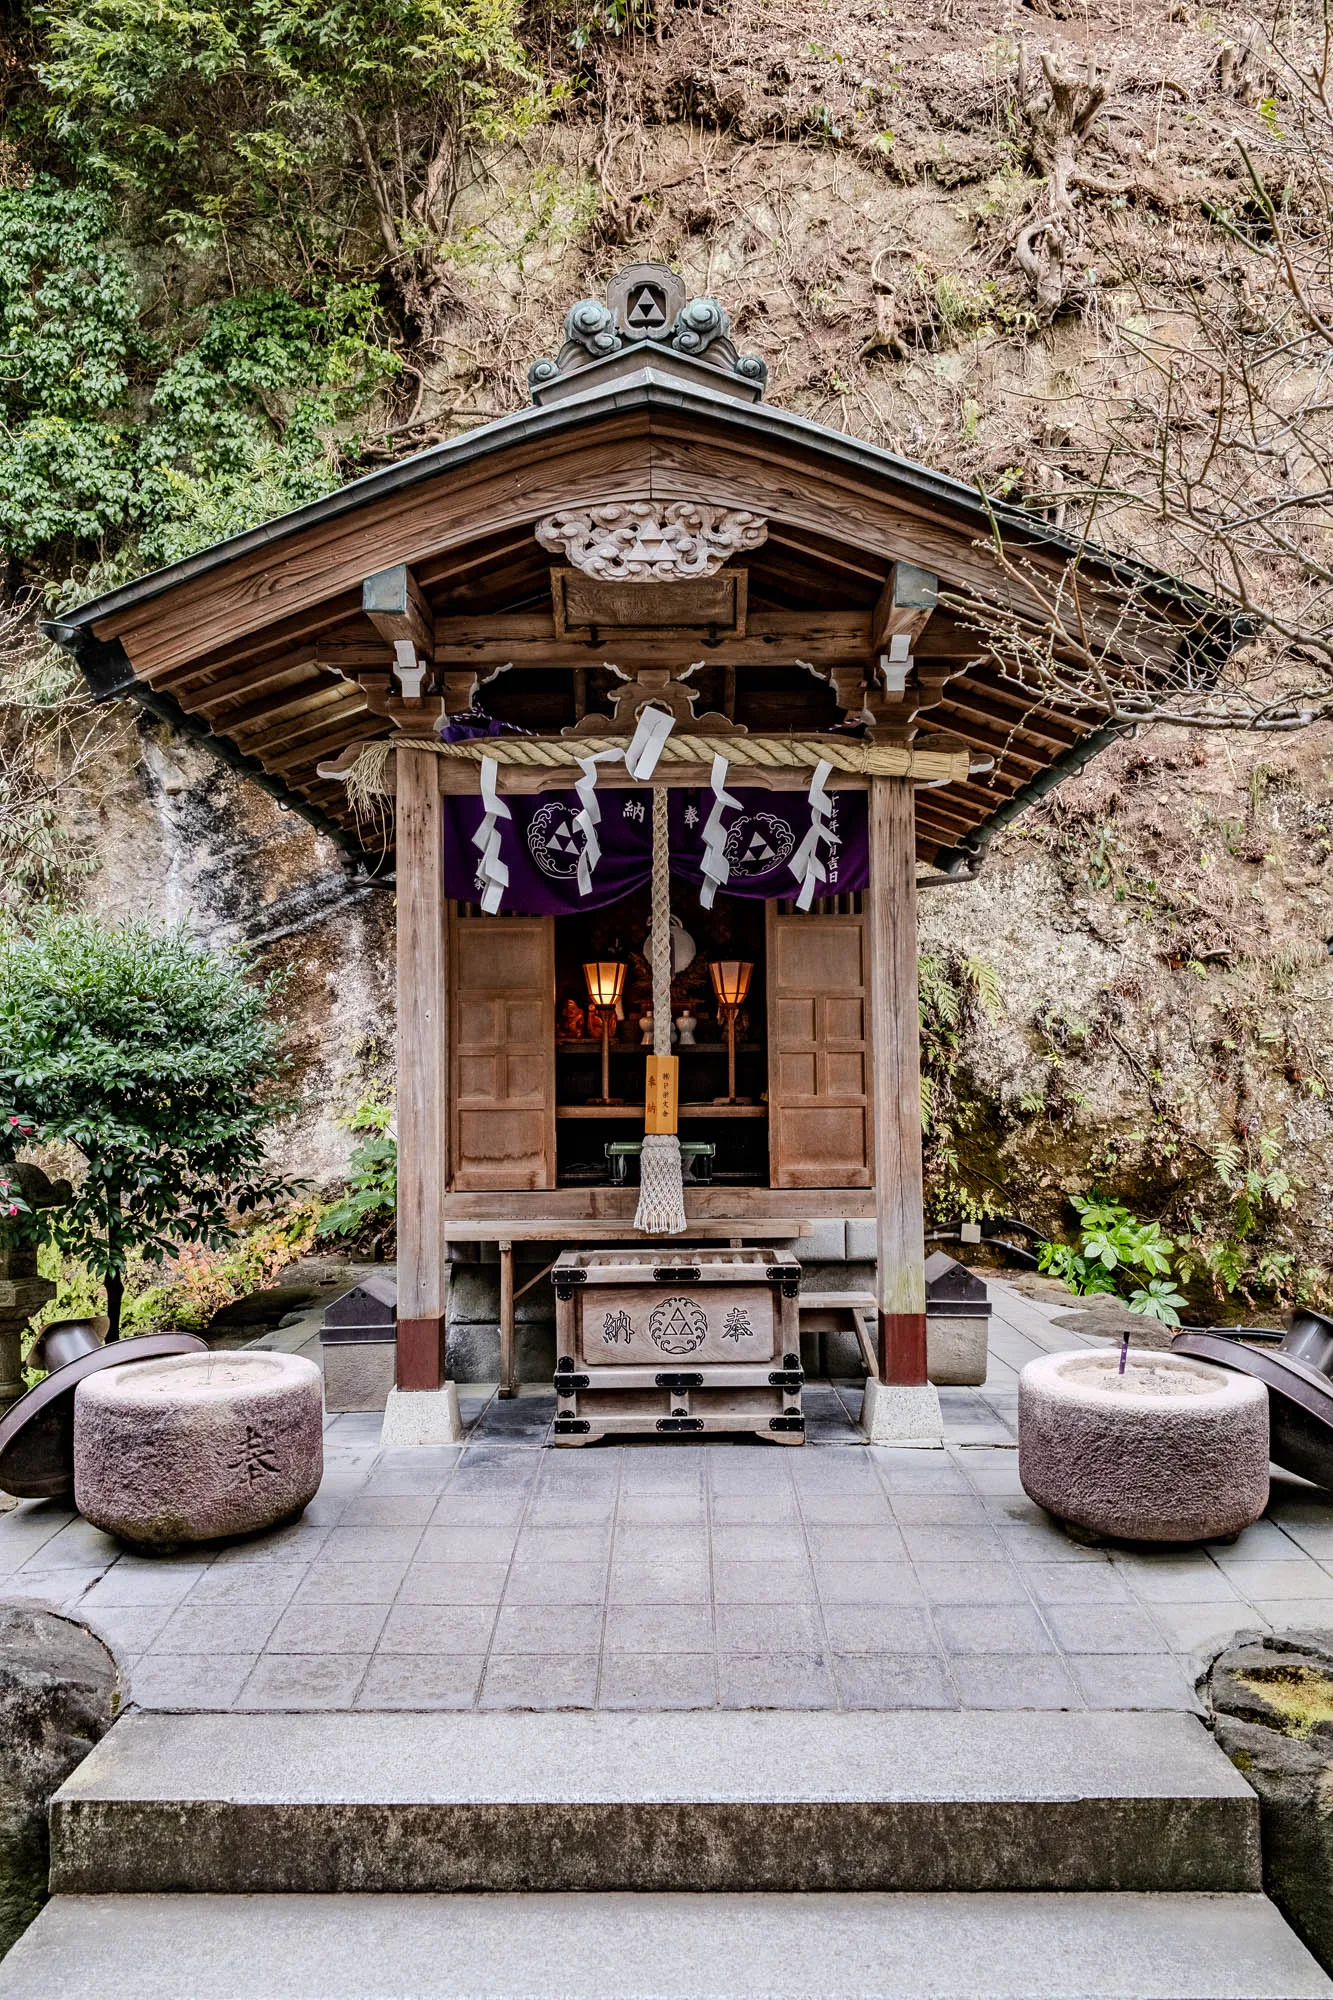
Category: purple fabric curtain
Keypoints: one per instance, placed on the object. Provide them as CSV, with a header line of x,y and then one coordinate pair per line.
x,y
540,846
764,834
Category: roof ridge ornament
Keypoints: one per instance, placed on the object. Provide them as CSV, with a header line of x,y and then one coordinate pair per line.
x,y
648,303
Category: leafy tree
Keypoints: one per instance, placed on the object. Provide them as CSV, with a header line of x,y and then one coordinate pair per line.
x,y
72,347
159,1063
347,122
173,438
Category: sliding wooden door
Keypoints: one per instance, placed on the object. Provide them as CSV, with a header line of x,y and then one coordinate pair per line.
x,y
502,1012
819,1132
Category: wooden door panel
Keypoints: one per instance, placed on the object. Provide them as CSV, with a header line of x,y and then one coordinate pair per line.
x,y
794,1021
825,1147
480,1022
478,1079
503,1002
844,1074
525,1020
819,1057
844,1019
797,1075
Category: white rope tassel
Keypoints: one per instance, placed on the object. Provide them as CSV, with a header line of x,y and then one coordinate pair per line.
x,y
491,871
808,862
716,867
661,1210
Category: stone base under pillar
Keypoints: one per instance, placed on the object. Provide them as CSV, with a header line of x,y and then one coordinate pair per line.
x,y
414,1418
894,1413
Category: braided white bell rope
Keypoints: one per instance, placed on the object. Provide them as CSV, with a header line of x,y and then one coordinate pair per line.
x,y
661,1210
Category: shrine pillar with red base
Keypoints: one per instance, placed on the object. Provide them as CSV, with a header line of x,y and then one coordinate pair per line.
x,y
423,1405
901,1407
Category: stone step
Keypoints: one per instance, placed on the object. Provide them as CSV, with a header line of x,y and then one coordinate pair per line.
x,y
699,1801
990,1947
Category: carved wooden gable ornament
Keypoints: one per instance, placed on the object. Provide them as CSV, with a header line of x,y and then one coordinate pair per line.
x,y
648,541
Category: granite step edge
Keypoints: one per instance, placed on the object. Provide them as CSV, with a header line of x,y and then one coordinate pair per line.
x,y
1006,1947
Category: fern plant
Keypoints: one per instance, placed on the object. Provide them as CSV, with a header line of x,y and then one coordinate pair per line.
x,y
372,1175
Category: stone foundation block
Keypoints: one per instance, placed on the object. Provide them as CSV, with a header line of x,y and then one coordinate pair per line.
x,y
896,1414
414,1418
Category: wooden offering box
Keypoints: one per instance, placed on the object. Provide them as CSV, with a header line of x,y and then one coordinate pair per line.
x,y
677,1343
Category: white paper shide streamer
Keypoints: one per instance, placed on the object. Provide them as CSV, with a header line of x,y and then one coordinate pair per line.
x,y
492,873
809,863
716,867
589,817
645,746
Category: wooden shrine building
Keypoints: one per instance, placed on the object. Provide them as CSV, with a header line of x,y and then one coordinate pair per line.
x,y
424,665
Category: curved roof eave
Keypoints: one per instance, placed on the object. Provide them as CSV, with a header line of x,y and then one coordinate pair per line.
x,y
647,389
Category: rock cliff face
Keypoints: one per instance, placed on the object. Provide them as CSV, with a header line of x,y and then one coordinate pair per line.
x,y
1159,936
178,835
854,184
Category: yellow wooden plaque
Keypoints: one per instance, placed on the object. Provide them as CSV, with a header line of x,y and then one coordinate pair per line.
x,y
662,1094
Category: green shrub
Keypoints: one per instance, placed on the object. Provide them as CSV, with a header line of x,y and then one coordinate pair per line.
x,y
156,1061
1118,1255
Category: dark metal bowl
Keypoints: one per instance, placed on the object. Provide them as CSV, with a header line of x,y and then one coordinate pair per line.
x,y
67,1340
37,1432
1298,1375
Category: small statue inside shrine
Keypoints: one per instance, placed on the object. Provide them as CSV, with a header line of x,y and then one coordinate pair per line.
x,y
571,1023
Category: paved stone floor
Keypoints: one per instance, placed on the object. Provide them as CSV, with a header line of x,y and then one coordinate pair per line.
x,y
647,1575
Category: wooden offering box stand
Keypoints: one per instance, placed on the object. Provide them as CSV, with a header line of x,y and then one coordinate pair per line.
x,y
677,1343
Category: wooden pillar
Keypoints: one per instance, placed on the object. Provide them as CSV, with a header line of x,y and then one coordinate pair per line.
x,y
508,1367
895,1040
423,1071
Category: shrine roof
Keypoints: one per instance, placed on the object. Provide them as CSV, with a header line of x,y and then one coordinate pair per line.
x,y
269,648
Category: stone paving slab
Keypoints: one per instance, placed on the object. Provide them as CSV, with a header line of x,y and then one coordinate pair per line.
x,y
628,1947
642,1574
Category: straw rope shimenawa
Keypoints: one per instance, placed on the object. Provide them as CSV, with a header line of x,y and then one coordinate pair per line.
x,y
371,777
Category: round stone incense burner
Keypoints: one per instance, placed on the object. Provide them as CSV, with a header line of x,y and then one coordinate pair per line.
x,y
198,1448
1171,1450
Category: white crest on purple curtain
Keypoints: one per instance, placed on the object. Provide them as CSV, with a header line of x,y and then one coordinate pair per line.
x,y
556,841
757,842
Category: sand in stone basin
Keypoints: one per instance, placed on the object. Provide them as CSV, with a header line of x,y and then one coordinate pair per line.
x,y
1141,1378
201,1372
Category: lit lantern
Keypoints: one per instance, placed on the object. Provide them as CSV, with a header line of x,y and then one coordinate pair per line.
x,y
606,981
731,983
